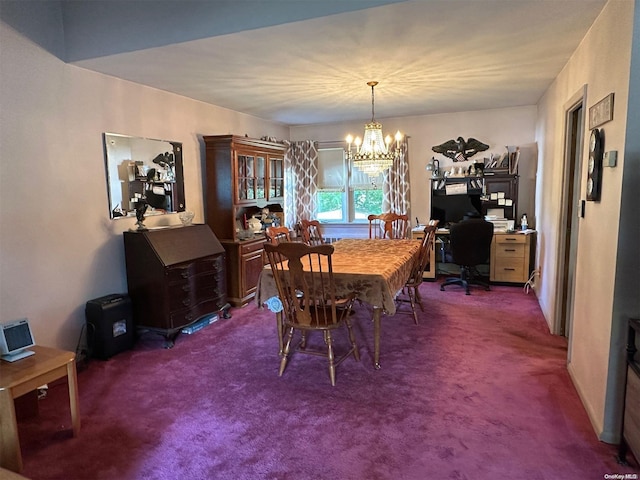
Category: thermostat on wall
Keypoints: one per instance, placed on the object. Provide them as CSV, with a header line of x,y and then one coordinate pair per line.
x,y
610,158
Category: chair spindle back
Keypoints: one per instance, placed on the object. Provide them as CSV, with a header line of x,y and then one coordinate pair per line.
x,y
388,225
304,279
311,234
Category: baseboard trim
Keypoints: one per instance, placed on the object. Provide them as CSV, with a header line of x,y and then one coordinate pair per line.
x,y
603,436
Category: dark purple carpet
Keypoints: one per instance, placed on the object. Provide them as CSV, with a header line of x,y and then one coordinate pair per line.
x,y
479,390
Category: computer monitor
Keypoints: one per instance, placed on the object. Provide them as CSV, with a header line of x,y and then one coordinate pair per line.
x,y
15,338
450,209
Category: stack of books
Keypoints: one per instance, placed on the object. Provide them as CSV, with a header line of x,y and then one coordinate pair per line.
x,y
200,324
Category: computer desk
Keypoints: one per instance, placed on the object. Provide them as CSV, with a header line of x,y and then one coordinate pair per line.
x,y
511,261
23,376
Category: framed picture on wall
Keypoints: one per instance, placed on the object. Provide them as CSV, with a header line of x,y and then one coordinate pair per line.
x,y
601,112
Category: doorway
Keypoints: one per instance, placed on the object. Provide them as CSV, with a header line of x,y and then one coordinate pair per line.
x,y
572,210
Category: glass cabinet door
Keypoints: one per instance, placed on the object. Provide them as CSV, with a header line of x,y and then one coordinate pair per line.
x,y
258,177
245,165
276,177
251,175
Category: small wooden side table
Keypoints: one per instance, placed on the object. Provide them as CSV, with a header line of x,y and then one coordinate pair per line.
x,y
24,376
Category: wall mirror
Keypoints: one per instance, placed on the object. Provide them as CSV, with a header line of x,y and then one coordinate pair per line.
x,y
143,169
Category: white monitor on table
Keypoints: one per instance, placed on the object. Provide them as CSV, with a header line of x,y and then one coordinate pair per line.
x,y
15,339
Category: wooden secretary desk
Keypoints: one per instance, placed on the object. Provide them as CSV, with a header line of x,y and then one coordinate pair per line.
x,y
243,175
175,276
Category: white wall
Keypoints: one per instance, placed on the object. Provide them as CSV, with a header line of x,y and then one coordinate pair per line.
x,y
58,246
497,128
602,63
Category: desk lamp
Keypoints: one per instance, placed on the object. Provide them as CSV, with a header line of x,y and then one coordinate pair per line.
x,y
434,167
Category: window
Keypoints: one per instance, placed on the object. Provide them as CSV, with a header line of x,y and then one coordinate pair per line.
x,y
344,193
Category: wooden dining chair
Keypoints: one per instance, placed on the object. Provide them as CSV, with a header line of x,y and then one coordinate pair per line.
x,y
410,292
275,235
308,270
311,234
388,225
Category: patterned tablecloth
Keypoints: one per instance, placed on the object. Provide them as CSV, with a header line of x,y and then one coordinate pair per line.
x,y
375,269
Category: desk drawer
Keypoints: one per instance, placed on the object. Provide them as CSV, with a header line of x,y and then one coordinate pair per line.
x,y
252,247
510,250
510,239
509,270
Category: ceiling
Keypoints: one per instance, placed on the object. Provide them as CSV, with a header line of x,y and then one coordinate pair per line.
x,y
307,62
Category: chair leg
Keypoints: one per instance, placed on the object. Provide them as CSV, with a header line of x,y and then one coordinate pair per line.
x,y
285,353
330,355
418,298
452,281
412,301
462,280
465,280
477,279
281,332
352,339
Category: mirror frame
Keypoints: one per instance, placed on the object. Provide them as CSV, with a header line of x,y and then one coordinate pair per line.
x,y
130,160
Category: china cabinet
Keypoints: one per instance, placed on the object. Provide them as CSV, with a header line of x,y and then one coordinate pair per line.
x,y
243,176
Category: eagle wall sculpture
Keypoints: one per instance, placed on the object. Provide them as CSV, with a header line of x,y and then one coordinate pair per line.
x,y
460,150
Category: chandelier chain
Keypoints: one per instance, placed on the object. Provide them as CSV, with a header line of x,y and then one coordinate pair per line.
x,y
373,115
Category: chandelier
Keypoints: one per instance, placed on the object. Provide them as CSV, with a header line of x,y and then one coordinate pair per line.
x,y
373,154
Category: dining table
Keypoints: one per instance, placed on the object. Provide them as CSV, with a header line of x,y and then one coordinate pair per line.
x,y
375,269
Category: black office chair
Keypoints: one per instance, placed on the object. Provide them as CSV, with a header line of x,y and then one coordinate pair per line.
x,y
470,243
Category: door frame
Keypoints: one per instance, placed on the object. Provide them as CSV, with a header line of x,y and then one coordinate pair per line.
x,y
570,213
